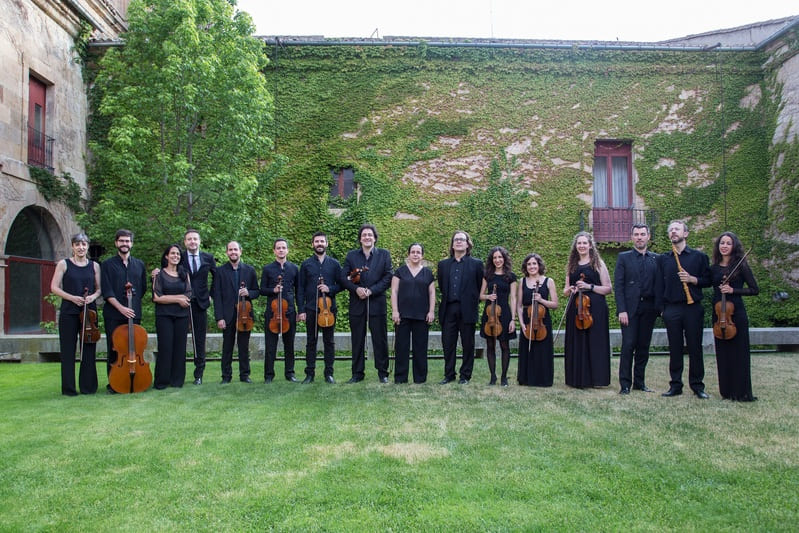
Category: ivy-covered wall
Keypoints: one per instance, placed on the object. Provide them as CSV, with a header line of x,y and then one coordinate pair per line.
x,y
421,126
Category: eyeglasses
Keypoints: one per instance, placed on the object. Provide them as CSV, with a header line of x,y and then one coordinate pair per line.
x,y
459,239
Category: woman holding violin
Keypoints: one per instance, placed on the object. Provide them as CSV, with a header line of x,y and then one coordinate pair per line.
x,y
587,339
536,296
172,298
499,316
413,304
77,281
730,272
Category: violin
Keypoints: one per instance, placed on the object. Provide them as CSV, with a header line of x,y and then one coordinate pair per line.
x,y
493,326
279,323
536,329
131,372
88,319
244,321
584,320
324,316
723,328
355,274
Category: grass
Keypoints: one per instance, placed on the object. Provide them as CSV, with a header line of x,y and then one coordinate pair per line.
x,y
371,457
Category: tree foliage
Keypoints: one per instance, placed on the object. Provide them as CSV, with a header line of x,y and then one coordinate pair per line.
x,y
188,120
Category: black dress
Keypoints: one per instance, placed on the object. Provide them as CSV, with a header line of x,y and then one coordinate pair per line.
x,y
732,355
536,358
503,295
587,351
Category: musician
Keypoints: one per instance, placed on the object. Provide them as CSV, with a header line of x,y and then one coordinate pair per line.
x,y
115,273
200,264
586,349
499,287
634,281
227,291
279,282
732,355
680,317
413,304
536,357
72,278
319,275
459,279
172,298
368,301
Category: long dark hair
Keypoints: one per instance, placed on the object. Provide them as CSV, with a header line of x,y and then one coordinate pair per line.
x,y
736,254
182,272
488,269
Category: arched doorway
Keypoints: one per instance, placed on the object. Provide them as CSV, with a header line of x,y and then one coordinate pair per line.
x,y
30,267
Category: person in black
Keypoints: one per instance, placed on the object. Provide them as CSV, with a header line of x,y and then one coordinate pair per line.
x,y
634,283
77,281
226,292
172,298
367,275
673,285
498,290
115,273
319,275
200,264
279,281
459,280
413,305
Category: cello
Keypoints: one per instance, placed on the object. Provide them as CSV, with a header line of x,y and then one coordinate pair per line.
x,y
493,326
325,317
131,372
244,321
583,320
279,323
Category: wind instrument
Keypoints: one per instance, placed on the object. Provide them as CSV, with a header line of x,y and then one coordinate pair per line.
x,y
688,298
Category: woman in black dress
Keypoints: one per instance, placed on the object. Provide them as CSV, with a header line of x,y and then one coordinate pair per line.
x,y
732,355
413,304
587,351
172,297
536,357
73,278
499,285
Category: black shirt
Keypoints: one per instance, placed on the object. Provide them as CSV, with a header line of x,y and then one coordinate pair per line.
x,y
113,277
413,300
310,271
288,272
668,287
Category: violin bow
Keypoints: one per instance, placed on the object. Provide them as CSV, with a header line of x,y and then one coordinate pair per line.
x,y
738,264
565,311
191,320
83,323
316,320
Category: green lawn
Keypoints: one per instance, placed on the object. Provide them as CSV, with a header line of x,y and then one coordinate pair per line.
x,y
371,457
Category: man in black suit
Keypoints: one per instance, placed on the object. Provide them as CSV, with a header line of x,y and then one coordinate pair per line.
x,y
199,264
279,281
226,291
459,280
634,283
367,275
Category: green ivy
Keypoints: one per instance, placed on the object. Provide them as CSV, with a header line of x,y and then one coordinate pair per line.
x,y
54,189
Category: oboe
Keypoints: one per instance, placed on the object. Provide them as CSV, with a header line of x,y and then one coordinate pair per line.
x,y
684,284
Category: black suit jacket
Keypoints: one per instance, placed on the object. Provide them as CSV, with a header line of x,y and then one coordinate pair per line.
x,y
226,293
627,282
470,287
199,280
377,279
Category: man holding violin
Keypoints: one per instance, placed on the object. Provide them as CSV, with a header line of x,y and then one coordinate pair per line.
x,y
634,283
316,299
279,285
235,286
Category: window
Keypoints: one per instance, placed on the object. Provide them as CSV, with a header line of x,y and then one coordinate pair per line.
x,y
40,146
343,184
613,191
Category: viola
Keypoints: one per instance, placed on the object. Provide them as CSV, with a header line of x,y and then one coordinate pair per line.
x,y
723,328
324,316
493,326
279,323
584,320
90,333
244,320
536,329
355,274
131,372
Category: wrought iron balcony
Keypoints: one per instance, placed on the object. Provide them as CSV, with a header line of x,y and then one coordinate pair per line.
x,y
612,224
40,149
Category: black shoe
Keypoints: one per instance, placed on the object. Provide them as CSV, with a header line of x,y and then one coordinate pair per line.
x,y
493,380
701,394
198,381
268,379
643,388
673,391
329,379
446,380
504,382
307,380
463,381
224,381
625,390
292,379
353,379
384,379
246,380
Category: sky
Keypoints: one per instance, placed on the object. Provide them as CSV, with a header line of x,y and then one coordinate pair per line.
x,y
605,20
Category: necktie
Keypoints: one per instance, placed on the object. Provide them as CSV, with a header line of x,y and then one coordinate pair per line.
x,y
193,264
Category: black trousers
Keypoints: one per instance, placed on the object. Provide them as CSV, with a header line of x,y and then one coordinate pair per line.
x,y
410,333
688,320
328,340
231,337
636,337
170,363
379,331
199,327
270,346
452,327
68,335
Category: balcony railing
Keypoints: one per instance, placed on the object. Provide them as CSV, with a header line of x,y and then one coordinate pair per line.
x,y
40,149
611,224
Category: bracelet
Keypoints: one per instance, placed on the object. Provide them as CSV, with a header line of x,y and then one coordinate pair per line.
x,y
592,287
